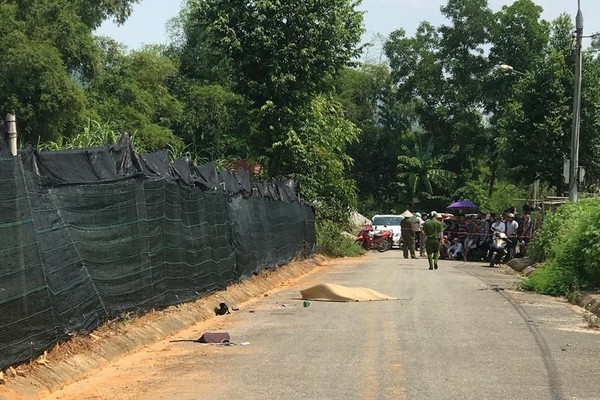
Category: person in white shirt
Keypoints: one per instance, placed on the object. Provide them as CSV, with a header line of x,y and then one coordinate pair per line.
x,y
456,251
497,226
419,235
512,227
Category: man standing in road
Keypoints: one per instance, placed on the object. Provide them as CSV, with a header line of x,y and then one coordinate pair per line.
x,y
408,236
433,231
418,228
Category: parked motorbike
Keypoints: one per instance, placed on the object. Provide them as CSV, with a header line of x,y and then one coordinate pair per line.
x,y
371,239
498,250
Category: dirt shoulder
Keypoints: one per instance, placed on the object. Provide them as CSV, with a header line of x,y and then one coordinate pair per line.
x,y
74,360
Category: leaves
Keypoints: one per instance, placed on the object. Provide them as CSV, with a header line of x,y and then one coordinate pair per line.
x,y
568,244
423,170
316,151
280,53
132,91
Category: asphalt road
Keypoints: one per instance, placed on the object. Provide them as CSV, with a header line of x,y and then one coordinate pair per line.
x,y
461,332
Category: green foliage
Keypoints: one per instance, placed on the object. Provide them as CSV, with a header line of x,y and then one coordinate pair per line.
x,y
270,81
423,169
214,120
551,280
366,93
49,54
495,124
281,54
590,118
35,84
538,133
95,134
132,91
90,13
505,196
441,71
316,151
569,243
519,37
200,59
283,50
67,26
331,242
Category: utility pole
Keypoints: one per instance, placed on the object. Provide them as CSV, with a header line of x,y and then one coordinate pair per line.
x,y
11,125
574,163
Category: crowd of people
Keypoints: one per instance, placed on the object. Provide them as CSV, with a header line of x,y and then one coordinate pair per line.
x,y
468,237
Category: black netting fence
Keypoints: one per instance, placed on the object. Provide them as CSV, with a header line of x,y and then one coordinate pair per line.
x,y
87,235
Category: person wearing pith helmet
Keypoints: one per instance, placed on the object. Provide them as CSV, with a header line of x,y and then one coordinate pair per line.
x,y
408,235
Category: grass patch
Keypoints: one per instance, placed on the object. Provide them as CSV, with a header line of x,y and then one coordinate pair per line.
x,y
331,242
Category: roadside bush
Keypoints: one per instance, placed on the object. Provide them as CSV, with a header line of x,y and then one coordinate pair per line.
x,y
569,245
551,280
331,242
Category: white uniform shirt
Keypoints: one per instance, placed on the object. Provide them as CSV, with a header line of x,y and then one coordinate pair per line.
x,y
511,228
498,227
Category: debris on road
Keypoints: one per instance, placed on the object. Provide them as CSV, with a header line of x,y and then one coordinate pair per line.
x,y
215,337
222,309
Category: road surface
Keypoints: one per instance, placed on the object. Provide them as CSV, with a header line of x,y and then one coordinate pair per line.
x,y
461,332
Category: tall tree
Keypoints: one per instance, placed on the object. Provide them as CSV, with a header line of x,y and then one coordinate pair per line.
x,y
49,53
367,94
590,118
441,71
132,91
538,132
519,38
281,53
35,83
316,151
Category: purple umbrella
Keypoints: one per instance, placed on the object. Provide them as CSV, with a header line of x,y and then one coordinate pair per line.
x,y
463,205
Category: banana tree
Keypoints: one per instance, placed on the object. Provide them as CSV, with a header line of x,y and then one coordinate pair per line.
x,y
423,170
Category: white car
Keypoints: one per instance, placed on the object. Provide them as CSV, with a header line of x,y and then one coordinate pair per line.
x,y
390,222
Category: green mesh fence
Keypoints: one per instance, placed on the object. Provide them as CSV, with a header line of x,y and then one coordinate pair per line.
x,y
88,235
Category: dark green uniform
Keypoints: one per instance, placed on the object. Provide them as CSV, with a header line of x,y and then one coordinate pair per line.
x,y
433,231
408,237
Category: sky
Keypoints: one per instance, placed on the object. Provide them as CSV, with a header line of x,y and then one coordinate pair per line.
x,y
147,24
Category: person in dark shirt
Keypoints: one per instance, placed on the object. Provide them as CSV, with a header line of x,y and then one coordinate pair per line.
x,y
408,237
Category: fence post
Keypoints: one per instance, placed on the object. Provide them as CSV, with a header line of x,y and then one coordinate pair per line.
x,y
11,124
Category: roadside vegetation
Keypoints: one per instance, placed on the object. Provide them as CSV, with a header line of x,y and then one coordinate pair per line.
x,y
333,243
568,245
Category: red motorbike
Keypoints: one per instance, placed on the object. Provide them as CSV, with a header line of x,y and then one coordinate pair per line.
x,y
370,239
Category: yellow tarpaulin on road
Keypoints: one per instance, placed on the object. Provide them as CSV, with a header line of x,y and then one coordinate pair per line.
x,y
332,292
